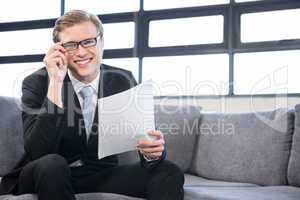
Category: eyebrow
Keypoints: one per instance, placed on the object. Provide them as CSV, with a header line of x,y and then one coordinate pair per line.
x,y
80,40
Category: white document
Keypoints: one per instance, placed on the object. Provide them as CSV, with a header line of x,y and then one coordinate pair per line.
x,y
124,118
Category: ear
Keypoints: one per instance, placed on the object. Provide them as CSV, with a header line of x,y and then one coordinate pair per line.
x,y
102,42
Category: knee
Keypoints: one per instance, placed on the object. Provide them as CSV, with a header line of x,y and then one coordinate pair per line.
x,y
52,165
171,171
176,172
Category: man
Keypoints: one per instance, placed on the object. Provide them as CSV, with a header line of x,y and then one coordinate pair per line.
x,y
60,154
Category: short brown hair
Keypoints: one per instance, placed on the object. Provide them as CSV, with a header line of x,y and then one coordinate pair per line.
x,y
75,17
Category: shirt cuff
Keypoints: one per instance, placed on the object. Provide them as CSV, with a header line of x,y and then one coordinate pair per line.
x,y
150,159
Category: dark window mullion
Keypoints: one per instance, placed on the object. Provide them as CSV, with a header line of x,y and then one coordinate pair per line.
x,y
231,40
21,59
62,7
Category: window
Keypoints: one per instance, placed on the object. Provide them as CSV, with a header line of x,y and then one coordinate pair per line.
x,y
186,47
36,41
188,75
172,32
28,10
12,76
271,25
130,64
267,72
104,6
118,35
165,4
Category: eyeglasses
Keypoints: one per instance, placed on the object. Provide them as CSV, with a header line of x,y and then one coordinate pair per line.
x,y
72,46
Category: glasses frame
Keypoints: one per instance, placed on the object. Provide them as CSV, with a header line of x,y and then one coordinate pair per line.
x,y
81,43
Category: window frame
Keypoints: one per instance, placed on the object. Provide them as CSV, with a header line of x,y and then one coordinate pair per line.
x,y
231,42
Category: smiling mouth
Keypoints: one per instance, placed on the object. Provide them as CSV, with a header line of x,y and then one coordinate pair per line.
x,y
83,62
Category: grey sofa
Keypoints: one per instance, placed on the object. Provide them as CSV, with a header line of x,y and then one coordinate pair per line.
x,y
247,156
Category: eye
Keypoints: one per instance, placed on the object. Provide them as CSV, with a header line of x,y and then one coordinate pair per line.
x,y
88,42
70,45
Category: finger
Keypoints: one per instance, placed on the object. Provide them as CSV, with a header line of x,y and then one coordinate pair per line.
x,y
157,134
55,62
58,54
154,155
57,47
51,62
153,150
150,143
60,63
63,57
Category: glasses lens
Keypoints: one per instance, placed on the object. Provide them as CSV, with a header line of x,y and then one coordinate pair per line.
x,y
70,46
89,42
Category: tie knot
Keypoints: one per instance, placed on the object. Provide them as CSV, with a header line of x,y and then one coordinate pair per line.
x,y
86,91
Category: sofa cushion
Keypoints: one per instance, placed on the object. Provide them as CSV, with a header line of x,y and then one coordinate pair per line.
x,y
104,196
196,181
11,134
19,197
179,124
83,196
294,163
245,147
244,193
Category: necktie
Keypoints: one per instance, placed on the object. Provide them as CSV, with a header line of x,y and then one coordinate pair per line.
x,y
87,108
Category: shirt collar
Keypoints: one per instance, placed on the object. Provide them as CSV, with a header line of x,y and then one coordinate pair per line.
x,y
78,85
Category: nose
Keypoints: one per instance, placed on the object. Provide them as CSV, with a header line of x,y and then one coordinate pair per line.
x,y
81,50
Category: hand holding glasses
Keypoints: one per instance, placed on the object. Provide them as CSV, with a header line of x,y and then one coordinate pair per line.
x,y
56,62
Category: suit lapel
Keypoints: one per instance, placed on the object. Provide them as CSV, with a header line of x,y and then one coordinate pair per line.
x,y
75,117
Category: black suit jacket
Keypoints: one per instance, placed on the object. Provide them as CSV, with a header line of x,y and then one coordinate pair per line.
x,y
49,129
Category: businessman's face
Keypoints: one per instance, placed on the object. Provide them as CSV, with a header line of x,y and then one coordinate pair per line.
x,y
83,62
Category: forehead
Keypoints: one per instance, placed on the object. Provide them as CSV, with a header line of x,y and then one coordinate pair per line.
x,y
78,32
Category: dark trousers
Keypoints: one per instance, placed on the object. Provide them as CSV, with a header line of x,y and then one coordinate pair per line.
x,y
51,178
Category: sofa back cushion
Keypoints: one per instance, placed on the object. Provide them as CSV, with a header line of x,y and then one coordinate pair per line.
x,y
11,133
179,124
245,147
294,163
180,127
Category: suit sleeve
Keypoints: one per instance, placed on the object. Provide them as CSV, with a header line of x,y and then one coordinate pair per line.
x,y
42,119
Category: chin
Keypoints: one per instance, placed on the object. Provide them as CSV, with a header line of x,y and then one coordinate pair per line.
x,y
86,74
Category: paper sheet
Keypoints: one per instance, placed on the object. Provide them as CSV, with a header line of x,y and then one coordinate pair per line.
x,y
124,118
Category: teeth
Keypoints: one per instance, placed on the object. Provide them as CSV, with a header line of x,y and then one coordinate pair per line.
x,y
82,62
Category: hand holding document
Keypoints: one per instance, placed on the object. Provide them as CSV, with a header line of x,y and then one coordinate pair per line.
x,y
124,118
